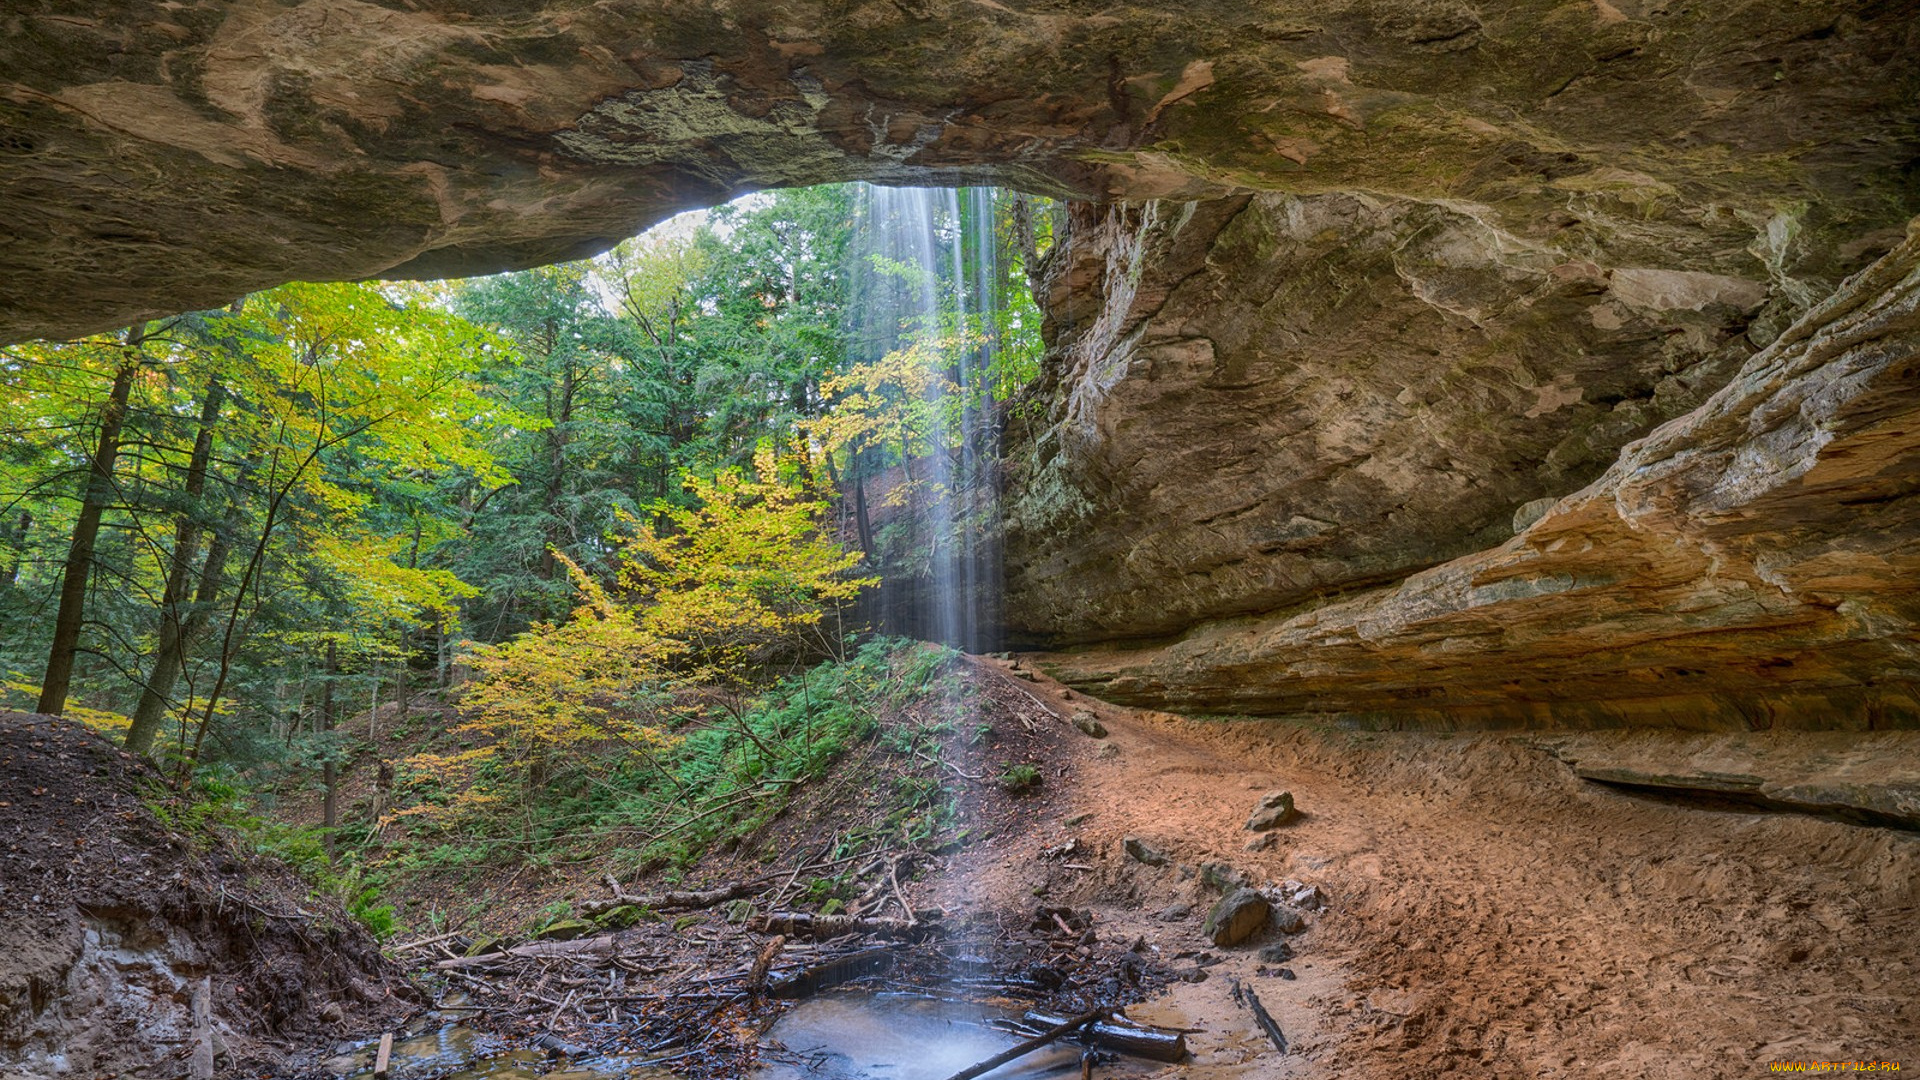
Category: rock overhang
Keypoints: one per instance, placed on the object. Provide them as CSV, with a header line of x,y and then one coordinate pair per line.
x,y
165,155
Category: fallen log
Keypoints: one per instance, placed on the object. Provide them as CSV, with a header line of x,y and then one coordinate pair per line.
x,y
1136,1040
674,901
557,1047
1244,994
841,969
757,975
600,945
1045,1038
801,924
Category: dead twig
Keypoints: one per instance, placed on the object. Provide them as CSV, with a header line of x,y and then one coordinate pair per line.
x,y
1244,994
893,866
424,942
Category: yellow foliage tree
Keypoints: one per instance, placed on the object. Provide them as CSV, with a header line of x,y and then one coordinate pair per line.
x,y
906,401
705,596
743,576
558,688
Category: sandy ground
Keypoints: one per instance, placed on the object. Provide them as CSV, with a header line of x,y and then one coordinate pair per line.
x,y
1487,913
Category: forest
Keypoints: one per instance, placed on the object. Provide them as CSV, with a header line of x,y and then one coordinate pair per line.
x,y
593,512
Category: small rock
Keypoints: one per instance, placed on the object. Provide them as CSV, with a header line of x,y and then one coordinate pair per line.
x,y
1275,810
1046,978
1061,851
1287,974
1237,916
1262,842
1305,897
1278,952
567,930
1220,876
1089,724
1141,851
1194,974
1175,912
1288,919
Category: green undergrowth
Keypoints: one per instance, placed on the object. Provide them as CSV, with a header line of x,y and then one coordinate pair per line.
x,y
872,730
217,808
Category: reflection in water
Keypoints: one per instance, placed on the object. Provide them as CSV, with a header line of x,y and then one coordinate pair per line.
x,y
890,1037
455,1052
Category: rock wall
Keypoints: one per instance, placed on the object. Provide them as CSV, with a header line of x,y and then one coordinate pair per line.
x,y
160,155
1747,565
1261,401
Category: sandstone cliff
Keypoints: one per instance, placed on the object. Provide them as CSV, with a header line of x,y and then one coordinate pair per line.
x,y
1745,565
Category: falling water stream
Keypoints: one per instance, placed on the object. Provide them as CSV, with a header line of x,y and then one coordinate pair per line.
x,y
923,264
921,275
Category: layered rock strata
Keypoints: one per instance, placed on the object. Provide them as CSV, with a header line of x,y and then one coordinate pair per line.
x,y
1252,403
1747,565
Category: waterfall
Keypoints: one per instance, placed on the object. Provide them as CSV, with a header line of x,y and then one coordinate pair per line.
x,y
923,283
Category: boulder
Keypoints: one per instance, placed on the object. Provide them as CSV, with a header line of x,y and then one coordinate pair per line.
x,y
1277,953
1089,724
1221,876
1142,852
1274,810
567,930
1288,919
1238,916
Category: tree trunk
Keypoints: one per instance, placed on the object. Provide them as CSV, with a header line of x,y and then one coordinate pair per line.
x,y
383,774
11,576
860,519
329,772
170,662
169,653
73,586
558,434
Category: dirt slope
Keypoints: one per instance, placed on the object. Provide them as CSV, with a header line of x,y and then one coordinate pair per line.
x,y
113,919
1487,913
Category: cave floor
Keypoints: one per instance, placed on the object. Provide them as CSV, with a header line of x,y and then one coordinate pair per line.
x,y
1486,911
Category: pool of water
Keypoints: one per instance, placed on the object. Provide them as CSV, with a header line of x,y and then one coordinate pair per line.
x,y
834,1036
455,1052
894,1037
